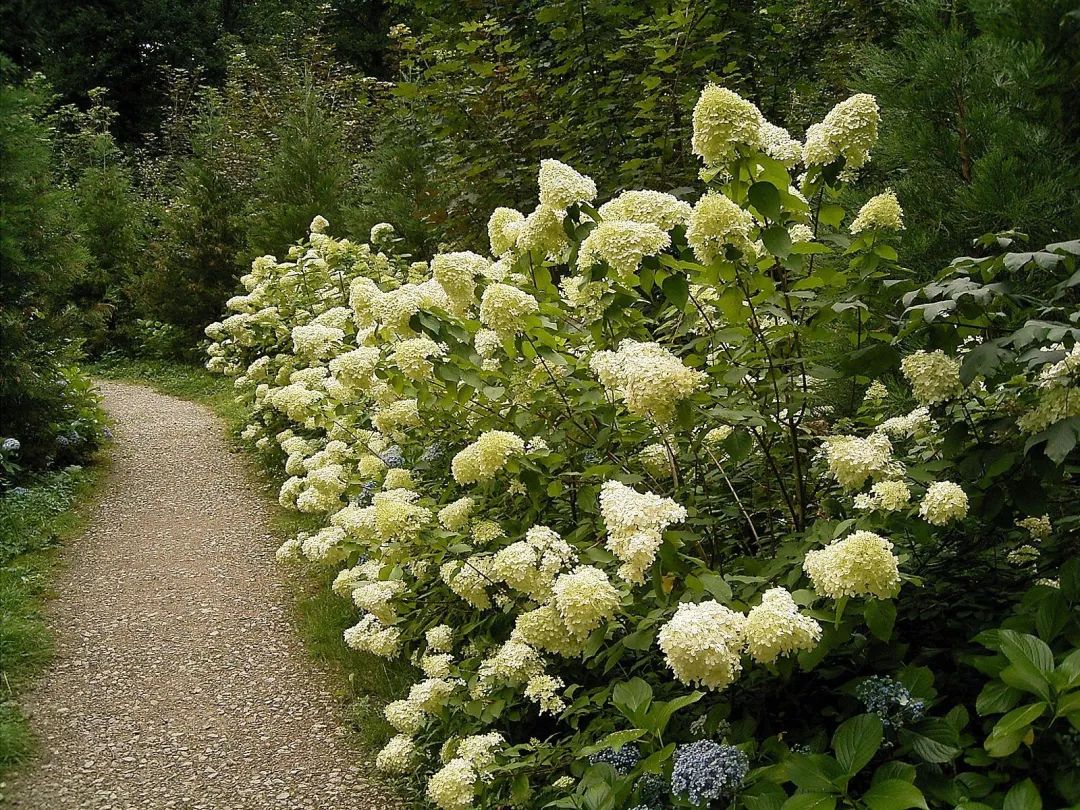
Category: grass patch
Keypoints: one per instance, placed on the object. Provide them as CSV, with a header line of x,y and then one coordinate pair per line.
x,y
364,682
34,522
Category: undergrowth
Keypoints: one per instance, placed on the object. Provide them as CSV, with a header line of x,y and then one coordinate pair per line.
x,y
35,520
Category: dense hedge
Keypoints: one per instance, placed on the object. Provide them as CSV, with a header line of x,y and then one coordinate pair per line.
x,y
688,501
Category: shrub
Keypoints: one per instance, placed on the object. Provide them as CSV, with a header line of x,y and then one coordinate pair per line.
x,y
648,499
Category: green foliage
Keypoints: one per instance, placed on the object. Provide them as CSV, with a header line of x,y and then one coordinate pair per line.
x,y
32,521
738,392
44,403
979,129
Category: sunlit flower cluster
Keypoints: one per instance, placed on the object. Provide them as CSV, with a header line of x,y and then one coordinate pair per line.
x,y
635,522
862,564
723,122
621,244
481,460
647,377
943,503
934,376
703,644
775,627
880,213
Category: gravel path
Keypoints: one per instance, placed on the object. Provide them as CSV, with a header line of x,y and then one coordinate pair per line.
x,y
178,682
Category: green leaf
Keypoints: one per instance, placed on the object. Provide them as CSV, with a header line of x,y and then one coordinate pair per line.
x,y
520,791
615,740
776,239
813,772
984,359
717,586
1019,719
811,801
831,215
856,742
935,741
1031,661
766,199
996,698
1024,796
661,713
633,694
880,615
676,290
894,794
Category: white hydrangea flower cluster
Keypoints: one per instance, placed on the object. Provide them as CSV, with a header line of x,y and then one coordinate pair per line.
x,y
542,232
862,564
621,244
503,308
1058,398
915,424
885,496
934,376
635,522
454,517
703,644
470,579
647,377
585,599
544,689
561,186
531,565
654,458
778,144
481,460
504,230
370,635
665,211
880,213
723,122
412,357
1039,527
943,503
456,273
397,756
775,628
716,223
850,131
852,459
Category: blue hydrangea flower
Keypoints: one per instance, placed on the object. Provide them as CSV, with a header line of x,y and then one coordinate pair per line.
x,y
18,492
62,441
432,452
622,759
891,701
11,445
651,790
706,770
392,457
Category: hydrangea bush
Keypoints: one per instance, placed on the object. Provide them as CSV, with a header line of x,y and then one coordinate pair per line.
x,y
662,497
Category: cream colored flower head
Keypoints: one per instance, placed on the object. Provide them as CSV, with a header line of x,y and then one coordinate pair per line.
x,y
723,122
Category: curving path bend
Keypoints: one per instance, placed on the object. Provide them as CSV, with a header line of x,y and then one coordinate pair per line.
x,y
178,682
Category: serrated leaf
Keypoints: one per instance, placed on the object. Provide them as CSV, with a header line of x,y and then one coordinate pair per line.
x,y
880,615
856,741
894,794
766,199
811,801
1024,796
996,698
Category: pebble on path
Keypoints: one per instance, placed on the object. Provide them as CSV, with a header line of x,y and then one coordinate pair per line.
x,y
178,683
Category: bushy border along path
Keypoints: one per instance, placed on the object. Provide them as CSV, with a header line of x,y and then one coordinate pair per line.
x,y
178,682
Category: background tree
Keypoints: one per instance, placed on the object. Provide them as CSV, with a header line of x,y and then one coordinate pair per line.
x,y
42,258
979,124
